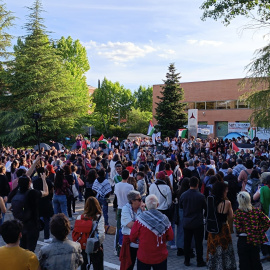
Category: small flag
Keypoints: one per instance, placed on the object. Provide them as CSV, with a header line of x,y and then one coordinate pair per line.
x,y
104,141
151,129
182,133
235,148
101,138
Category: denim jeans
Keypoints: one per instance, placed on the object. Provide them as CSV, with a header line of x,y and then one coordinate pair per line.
x,y
103,203
135,152
60,204
46,221
144,266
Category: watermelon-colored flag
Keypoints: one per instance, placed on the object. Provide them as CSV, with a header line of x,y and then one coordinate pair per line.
x,y
151,129
235,148
182,133
101,138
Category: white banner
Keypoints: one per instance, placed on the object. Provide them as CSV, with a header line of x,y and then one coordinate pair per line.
x,y
238,127
192,122
206,129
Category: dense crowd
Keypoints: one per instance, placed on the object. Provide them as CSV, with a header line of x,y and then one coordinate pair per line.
x,y
174,192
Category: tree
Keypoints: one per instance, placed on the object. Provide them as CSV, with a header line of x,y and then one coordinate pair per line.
x,y
110,100
37,81
170,110
258,71
144,98
6,21
138,121
228,10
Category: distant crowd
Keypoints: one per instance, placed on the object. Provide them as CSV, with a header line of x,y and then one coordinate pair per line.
x,y
162,192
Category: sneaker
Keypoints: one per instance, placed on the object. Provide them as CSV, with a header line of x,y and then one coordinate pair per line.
x,y
49,240
201,264
75,213
173,247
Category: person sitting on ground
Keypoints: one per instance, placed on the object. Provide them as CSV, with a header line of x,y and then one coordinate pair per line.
x,y
61,254
12,256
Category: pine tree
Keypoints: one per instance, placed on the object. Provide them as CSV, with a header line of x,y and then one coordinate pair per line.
x,y
37,81
170,109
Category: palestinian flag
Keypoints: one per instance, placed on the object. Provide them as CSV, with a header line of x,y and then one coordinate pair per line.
x,y
100,138
182,133
104,141
151,129
235,148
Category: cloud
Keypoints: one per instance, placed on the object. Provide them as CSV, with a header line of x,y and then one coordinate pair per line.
x,y
119,52
204,42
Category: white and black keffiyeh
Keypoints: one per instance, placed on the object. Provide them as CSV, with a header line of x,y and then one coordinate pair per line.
x,y
102,189
155,221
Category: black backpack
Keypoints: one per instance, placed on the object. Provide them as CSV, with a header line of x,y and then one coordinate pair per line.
x,y
17,204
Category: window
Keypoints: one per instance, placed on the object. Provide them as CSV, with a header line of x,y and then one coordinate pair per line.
x,y
242,105
221,105
190,105
200,105
210,105
232,104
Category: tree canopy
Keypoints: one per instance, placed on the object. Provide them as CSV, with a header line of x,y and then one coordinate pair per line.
x,y
144,98
228,10
37,80
170,108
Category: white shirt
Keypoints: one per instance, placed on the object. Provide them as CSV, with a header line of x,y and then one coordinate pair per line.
x,y
166,191
121,190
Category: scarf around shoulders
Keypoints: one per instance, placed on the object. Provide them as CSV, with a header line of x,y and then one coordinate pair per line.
x,y
155,221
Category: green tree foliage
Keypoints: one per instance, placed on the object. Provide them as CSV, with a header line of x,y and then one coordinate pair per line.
x,y
138,121
37,81
109,99
144,98
258,10
6,21
170,110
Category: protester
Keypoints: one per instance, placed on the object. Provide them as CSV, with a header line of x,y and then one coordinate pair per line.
x,y
251,225
12,256
220,253
152,229
61,254
194,205
129,214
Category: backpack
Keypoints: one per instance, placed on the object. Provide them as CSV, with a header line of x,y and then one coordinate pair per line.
x,y
82,230
17,204
212,224
251,186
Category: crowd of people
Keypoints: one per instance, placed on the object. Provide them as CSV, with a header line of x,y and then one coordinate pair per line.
x,y
160,191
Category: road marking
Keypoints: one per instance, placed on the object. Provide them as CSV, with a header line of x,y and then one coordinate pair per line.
x,y
107,264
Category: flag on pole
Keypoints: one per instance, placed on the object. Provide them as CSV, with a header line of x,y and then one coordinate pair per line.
x,y
100,138
151,129
235,148
104,141
182,133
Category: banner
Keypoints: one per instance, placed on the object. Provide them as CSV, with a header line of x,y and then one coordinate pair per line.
x,y
238,127
192,122
206,129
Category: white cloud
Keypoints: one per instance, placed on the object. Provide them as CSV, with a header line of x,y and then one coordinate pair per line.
x,y
204,42
120,52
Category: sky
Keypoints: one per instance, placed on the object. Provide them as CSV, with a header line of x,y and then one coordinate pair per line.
x,y
134,42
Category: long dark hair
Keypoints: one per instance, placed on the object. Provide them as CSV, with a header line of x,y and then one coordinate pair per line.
x,y
218,190
184,187
59,178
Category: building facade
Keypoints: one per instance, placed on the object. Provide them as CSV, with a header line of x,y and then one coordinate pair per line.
x,y
218,103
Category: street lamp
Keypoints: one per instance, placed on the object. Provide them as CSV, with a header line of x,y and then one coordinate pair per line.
x,y
120,106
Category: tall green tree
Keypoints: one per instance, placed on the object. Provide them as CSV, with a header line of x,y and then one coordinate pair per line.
x,y
37,81
144,99
6,21
170,108
110,100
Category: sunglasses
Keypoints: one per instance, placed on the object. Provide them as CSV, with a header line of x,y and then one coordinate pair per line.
x,y
139,200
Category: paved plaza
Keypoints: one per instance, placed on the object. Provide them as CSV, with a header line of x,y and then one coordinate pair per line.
x,y
111,261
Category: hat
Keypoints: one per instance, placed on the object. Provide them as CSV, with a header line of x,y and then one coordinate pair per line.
x,y
161,175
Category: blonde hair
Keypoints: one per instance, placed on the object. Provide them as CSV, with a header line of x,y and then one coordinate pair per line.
x,y
244,201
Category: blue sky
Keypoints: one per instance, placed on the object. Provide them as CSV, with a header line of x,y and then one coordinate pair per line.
x,y
133,42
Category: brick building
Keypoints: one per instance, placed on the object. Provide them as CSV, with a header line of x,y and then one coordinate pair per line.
x,y
217,103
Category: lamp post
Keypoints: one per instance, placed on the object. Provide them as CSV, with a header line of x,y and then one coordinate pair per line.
x,y
120,106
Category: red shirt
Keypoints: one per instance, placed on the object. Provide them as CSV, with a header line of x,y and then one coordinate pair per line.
x,y
152,249
130,169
